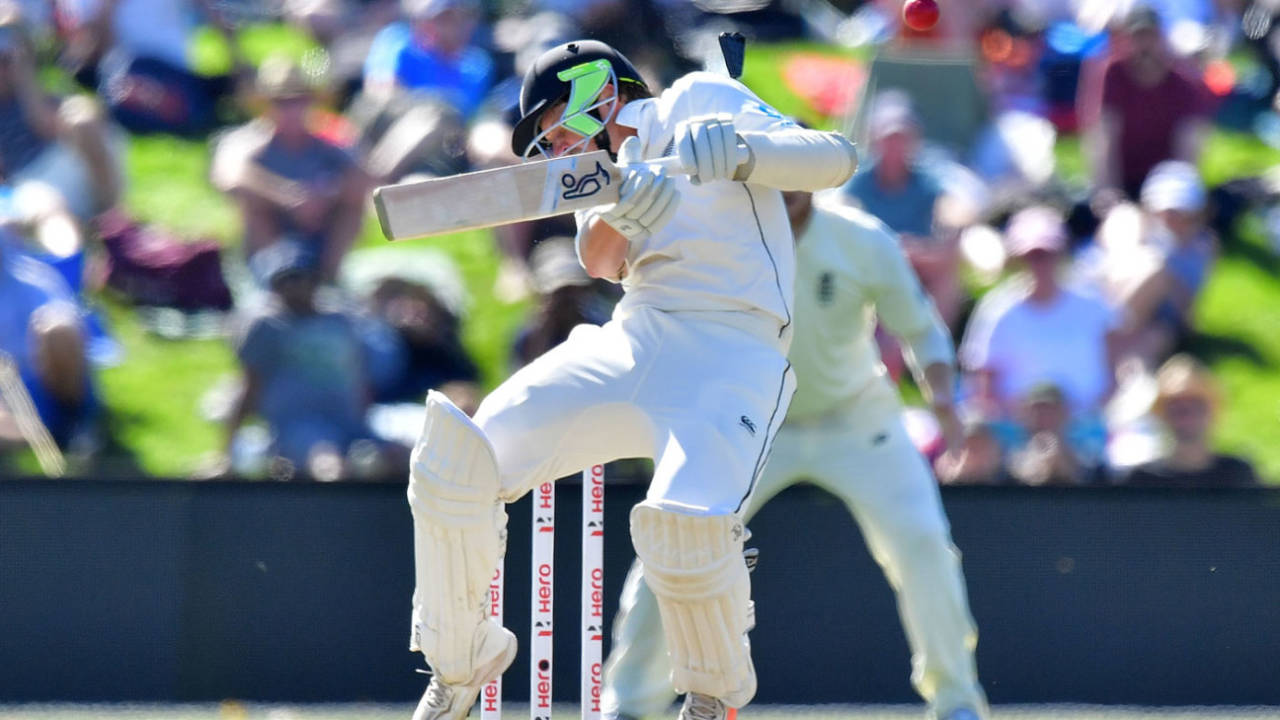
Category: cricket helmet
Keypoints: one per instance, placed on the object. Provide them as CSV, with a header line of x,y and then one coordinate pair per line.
x,y
574,73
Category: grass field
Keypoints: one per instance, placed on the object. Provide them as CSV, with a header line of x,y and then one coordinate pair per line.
x,y
153,395
238,711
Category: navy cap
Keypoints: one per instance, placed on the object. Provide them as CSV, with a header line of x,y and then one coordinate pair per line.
x,y
283,257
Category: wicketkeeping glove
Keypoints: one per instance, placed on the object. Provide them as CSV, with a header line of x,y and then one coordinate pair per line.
x,y
647,199
707,147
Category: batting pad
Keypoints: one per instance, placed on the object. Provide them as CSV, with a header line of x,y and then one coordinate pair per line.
x,y
694,566
459,528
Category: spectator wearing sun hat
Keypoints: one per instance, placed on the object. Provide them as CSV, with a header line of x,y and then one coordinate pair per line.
x,y
1034,330
288,180
1187,403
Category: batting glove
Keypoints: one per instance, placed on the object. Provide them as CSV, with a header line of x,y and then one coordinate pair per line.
x,y
647,199
707,147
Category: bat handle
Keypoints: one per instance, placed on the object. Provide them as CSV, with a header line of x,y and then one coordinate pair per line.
x,y
672,163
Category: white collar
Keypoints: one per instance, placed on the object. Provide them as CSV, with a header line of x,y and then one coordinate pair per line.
x,y
636,113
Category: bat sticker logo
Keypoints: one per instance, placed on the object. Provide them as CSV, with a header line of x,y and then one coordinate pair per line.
x,y
585,186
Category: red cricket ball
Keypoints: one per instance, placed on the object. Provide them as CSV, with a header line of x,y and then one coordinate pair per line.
x,y
920,15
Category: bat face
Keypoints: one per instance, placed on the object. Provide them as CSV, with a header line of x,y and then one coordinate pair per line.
x,y
527,191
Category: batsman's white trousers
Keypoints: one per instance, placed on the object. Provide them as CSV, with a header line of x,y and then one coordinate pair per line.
x,y
702,393
862,455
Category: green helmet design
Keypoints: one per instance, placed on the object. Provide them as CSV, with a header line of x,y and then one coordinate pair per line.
x,y
574,73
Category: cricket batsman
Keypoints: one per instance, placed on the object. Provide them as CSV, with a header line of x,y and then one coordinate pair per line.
x,y
844,433
690,371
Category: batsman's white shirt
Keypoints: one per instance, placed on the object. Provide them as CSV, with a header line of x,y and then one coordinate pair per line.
x,y
692,368
729,245
844,433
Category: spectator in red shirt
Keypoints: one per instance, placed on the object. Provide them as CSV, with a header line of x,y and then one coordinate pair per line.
x,y
1146,109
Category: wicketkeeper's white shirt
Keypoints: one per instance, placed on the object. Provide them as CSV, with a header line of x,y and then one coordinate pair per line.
x,y
852,268
728,246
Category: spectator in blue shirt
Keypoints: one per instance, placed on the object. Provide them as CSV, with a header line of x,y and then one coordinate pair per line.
x,y
305,373
431,53
892,185
41,330
895,187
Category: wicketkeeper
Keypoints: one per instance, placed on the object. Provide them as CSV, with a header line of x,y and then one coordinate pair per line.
x,y
690,371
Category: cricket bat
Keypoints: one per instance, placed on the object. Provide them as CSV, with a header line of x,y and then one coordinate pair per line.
x,y
529,191
516,193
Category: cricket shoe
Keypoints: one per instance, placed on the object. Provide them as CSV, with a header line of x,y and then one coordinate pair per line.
x,y
704,707
443,701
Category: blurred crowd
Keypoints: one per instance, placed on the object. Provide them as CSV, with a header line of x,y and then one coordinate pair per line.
x,y
1072,304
